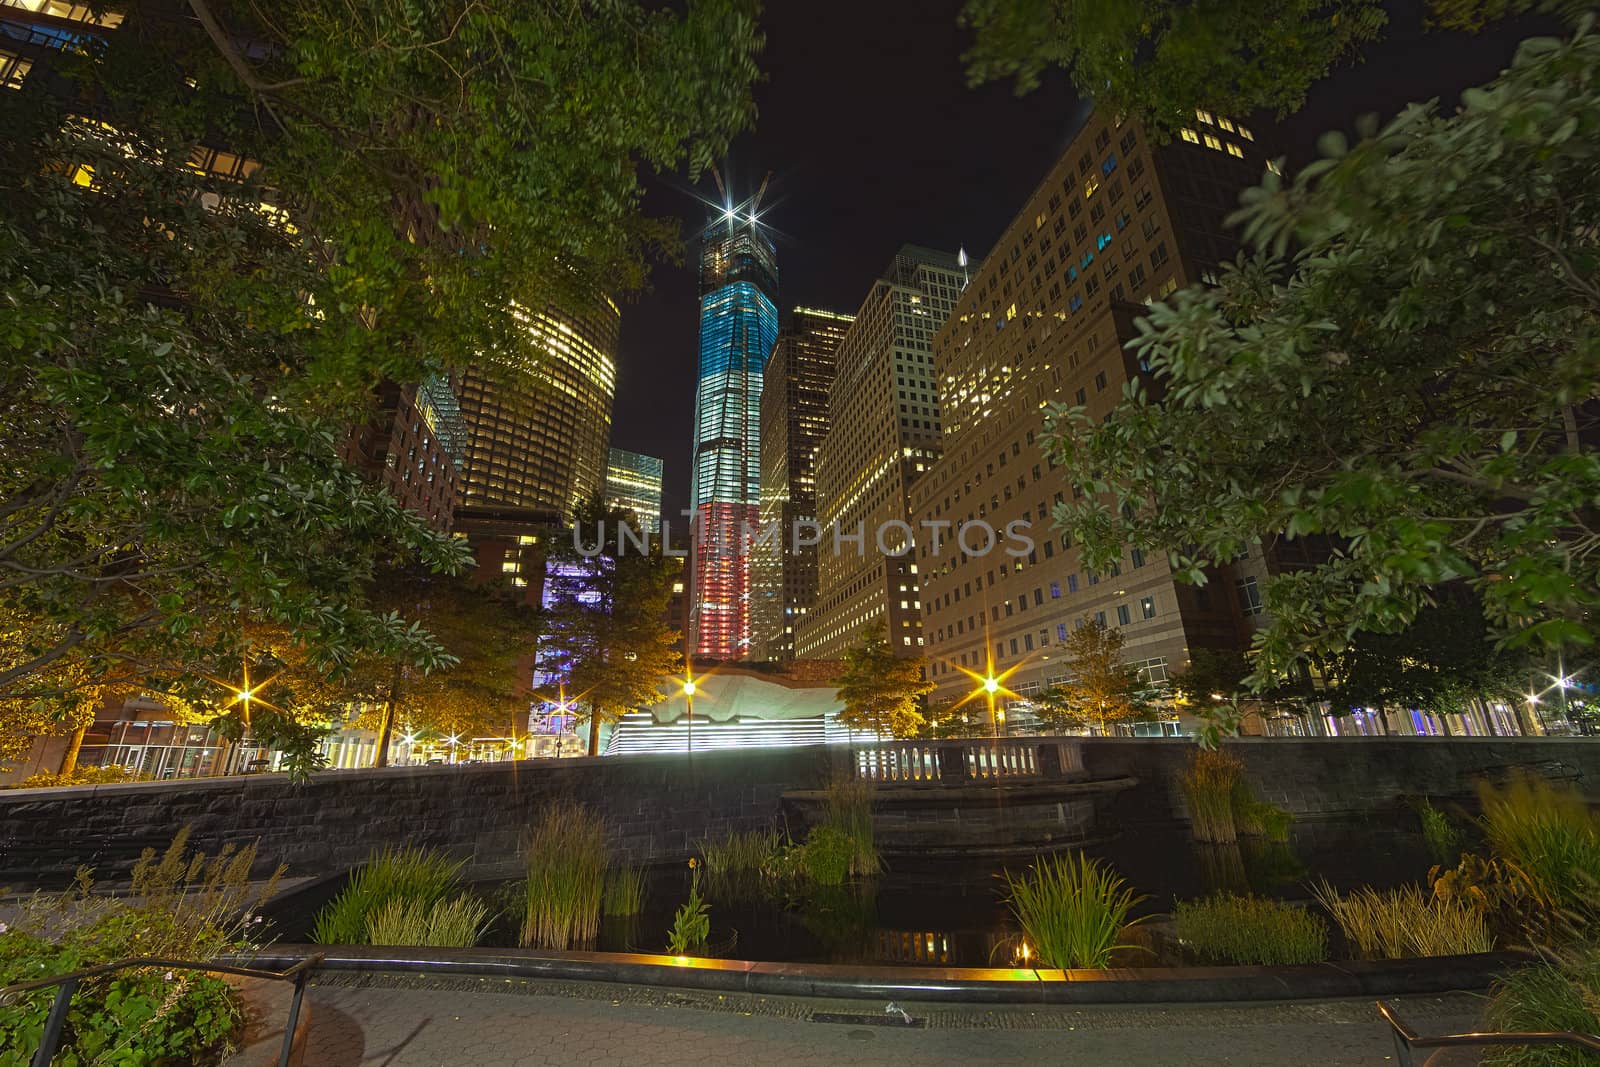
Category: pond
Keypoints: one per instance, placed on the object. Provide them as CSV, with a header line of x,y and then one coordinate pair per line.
x,y
953,913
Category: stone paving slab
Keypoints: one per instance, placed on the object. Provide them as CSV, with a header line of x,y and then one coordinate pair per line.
x,y
419,1022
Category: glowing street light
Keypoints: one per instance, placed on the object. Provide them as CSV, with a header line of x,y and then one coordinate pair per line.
x,y
688,699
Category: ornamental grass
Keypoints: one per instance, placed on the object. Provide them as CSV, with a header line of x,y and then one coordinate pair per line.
x,y
1551,837
566,878
1208,784
1406,922
624,893
453,923
1073,908
1228,928
1556,994
848,807
414,875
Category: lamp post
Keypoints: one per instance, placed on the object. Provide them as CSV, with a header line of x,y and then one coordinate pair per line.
x,y
991,686
688,699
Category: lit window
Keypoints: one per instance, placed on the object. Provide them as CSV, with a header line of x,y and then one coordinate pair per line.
x,y
1246,134
1235,150
1272,165
1225,124
1213,143
1090,187
13,69
1205,117
1189,135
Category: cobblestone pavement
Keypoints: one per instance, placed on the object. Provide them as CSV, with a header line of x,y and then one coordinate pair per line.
x,y
487,1023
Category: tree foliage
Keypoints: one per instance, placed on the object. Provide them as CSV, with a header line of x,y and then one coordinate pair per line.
x,y
187,360
1099,687
1416,383
606,638
882,693
1163,59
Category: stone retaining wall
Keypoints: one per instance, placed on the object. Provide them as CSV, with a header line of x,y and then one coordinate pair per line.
x,y
659,806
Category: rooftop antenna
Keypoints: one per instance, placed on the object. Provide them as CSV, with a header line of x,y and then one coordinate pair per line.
x,y
961,261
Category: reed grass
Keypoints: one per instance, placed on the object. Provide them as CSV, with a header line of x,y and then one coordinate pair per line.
x,y
1441,836
1208,785
624,892
566,878
1228,928
739,863
414,875
1551,836
1560,993
1258,818
1405,922
453,923
848,807
1073,908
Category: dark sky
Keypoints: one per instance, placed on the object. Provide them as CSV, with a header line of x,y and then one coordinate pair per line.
x,y
875,141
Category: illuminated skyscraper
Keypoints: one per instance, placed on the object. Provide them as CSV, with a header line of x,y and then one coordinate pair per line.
x,y
633,483
794,416
538,427
738,326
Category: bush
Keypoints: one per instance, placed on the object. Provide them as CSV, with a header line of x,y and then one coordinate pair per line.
x,y
82,776
1551,837
415,876
1073,908
566,878
456,923
624,893
828,855
187,906
1563,994
1251,930
1208,783
1406,922
1258,818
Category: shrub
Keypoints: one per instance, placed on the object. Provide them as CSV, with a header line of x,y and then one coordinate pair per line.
x,y
1244,929
189,906
414,875
828,855
848,808
1406,922
624,892
1073,908
1208,783
566,878
1560,994
82,776
456,923
1551,837
691,926
1441,836
1258,818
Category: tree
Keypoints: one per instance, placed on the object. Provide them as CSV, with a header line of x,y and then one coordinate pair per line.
x,y
1416,385
192,348
882,693
606,640
1099,687
1163,59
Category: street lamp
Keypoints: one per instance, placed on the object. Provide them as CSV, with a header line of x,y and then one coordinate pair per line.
x,y
688,699
991,686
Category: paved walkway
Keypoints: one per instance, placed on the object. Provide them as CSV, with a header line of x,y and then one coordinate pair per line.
x,y
420,1024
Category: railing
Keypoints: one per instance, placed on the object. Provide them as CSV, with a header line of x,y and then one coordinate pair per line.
x,y
67,985
967,760
1407,1040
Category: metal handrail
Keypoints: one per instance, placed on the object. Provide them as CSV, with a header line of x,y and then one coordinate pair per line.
x,y
1407,1039
67,985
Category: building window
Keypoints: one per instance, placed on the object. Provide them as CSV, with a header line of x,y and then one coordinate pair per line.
x,y
1204,116
1061,631
1249,596
13,69
1235,151
1137,555
1213,143
1100,382
1072,583
1055,590
1189,135
1100,617
1123,615
1147,607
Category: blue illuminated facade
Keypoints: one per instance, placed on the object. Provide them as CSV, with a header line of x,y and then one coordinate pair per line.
x,y
738,327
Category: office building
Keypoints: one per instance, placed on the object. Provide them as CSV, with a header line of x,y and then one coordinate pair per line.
x,y
794,417
1118,222
738,326
633,483
884,421
412,445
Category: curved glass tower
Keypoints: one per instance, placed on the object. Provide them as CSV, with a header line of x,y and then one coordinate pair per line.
x,y
738,327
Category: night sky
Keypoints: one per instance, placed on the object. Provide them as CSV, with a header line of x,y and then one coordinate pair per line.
x,y
875,141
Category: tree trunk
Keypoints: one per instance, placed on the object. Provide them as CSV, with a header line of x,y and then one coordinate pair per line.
x,y
386,725
594,731
69,760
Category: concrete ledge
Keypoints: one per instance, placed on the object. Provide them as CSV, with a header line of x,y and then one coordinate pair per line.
x,y
978,985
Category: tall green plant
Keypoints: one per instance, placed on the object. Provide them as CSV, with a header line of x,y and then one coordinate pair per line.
x,y
1441,836
1406,922
1561,993
1073,908
624,892
455,923
414,875
848,808
566,877
1551,836
691,925
1208,782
